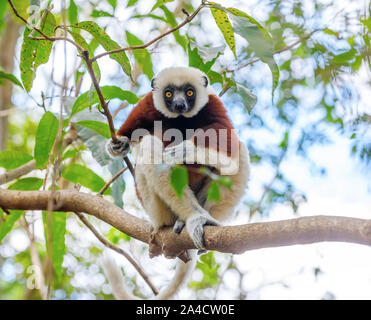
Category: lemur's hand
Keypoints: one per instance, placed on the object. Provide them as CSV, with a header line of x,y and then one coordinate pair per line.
x,y
180,153
119,148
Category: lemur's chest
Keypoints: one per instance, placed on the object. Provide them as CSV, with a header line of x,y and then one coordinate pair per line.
x,y
177,129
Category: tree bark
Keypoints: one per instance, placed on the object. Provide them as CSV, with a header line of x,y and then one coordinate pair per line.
x,y
7,53
231,239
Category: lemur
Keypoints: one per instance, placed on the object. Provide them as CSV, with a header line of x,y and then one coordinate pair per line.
x,y
181,121
182,101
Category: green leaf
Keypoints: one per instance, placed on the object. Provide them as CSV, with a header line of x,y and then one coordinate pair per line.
x,y
13,159
209,269
73,12
115,235
179,179
195,60
170,19
57,228
366,23
260,42
275,72
214,77
3,10
99,127
10,77
131,3
159,3
248,98
109,92
284,143
213,193
331,32
107,43
141,56
21,7
225,26
118,186
100,13
80,40
27,184
72,152
8,222
82,175
36,52
113,3
45,136
225,181
345,57
242,14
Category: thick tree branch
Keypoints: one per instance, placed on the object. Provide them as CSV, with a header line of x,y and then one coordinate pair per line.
x,y
232,239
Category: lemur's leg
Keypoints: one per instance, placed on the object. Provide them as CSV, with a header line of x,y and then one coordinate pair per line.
x,y
186,209
157,176
229,198
159,213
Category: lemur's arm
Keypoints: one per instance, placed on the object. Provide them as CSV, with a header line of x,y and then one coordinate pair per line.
x,y
143,117
215,145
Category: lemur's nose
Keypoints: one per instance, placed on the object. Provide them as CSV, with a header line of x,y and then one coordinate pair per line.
x,y
180,106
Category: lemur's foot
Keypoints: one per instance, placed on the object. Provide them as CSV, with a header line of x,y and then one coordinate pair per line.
x,y
195,227
178,226
119,148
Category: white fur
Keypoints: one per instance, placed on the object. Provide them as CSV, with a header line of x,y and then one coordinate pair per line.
x,y
179,76
188,152
120,290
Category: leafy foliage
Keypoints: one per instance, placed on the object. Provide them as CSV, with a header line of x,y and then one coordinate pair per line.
x,y
36,52
46,134
107,43
179,179
13,159
109,92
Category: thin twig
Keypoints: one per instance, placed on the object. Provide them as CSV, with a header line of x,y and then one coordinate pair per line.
x,y
119,108
36,261
44,36
268,186
112,180
89,63
188,19
118,250
103,103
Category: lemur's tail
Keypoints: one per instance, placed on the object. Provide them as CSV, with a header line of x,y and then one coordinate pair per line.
x,y
121,292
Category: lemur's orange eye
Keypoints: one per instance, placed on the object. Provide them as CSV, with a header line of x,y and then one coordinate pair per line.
x,y
168,94
190,93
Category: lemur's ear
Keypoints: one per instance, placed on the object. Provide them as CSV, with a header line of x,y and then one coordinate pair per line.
x,y
206,81
153,83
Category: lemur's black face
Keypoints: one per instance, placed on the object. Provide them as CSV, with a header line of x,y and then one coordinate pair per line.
x,y
180,99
